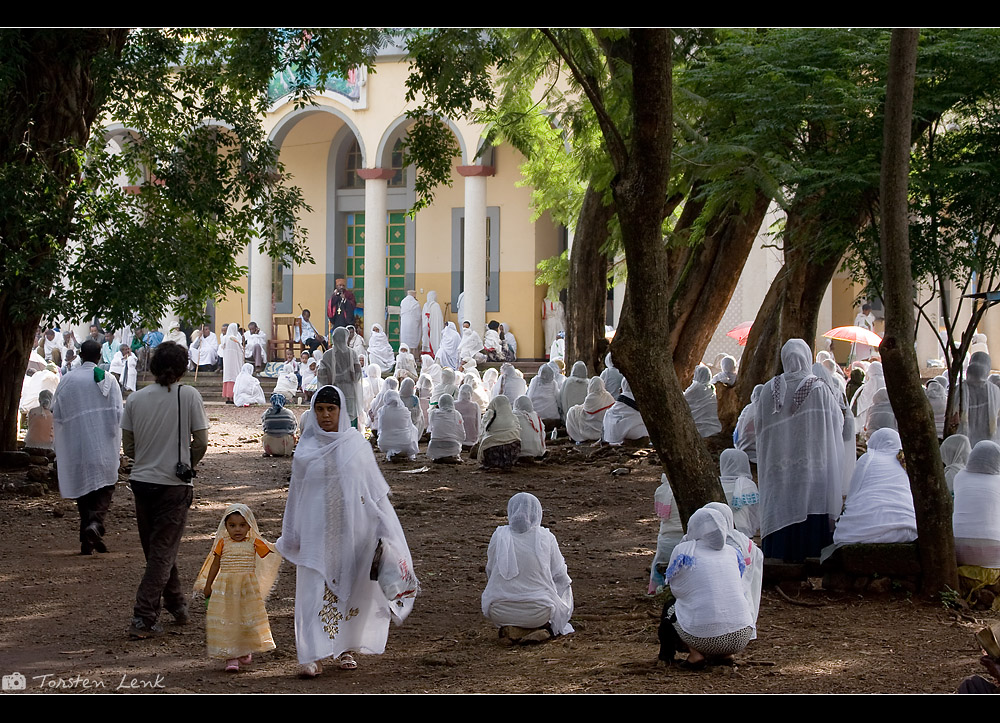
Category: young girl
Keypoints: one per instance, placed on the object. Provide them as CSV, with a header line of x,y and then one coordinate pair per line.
x,y
236,577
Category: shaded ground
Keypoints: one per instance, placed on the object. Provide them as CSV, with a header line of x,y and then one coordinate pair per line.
x,y
64,616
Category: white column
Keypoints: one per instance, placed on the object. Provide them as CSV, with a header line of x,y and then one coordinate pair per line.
x,y
261,278
824,320
376,190
475,252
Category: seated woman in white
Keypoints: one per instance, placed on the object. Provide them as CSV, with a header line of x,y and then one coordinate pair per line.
x,y
753,558
711,615
532,428
574,389
741,492
471,414
976,519
937,395
406,365
527,584
880,414
397,435
623,421
879,505
447,431
544,394
246,390
380,350
389,385
408,395
727,373
700,397
585,422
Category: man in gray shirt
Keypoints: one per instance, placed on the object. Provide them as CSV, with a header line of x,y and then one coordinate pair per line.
x,y
165,430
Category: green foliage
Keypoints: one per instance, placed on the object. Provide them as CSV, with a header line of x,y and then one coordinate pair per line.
x,y
554,273
207,181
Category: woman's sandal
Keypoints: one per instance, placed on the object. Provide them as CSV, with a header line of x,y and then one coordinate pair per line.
x,y
687,665
347,662
246,659
233,665
310,670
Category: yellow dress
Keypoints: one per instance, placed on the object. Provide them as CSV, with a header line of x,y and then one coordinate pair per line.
x,y
236,623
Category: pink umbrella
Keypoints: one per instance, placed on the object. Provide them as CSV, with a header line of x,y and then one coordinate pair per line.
x,y
740,333
857,334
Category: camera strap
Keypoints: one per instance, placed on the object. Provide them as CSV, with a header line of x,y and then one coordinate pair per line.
x,y
179,423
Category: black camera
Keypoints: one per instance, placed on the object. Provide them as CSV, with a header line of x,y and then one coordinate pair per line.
x,y
184,472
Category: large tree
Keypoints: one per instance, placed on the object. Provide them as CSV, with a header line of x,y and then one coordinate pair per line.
x,y
202,179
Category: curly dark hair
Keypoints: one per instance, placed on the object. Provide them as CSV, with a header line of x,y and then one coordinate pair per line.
x,y
169,363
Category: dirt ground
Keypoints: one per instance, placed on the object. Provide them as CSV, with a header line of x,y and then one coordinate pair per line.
x,y
63,616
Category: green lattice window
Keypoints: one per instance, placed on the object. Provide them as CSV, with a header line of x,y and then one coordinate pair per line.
x,y
395,264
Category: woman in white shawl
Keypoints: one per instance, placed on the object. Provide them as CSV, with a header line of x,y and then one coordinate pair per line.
x,y
397,435
864,398
532,428
585,422
700,396
623,421
47,378
574,388
500,439
480,395
879,505
337,513
490,378
446,385
611,377
937,395
371,387
341,367
741,492
469,409
710,616
509,340
753,575
406,365
423,391
727,374
389,385
246,390
231,348
976,519
800,450
451,340
850,440
472,343
880,414
410,400
984,404
356,343
380,350
447,432
527,583
955,451
430,368
544,395
744,436
432,324
511,384
287,383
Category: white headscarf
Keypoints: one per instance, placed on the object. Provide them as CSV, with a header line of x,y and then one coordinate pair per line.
x,y
470,412
265,568
447,429
745,437
511,384
728,373
741,492
471,343
611,377
623,421
405,363
585,422
396,432
984,404
499,426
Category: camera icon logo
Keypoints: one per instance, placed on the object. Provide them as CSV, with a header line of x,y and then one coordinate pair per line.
x,y
14,681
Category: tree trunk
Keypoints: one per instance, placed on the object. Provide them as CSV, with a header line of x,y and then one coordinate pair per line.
x,y
705,277
51,104
931,499
588,282
644,333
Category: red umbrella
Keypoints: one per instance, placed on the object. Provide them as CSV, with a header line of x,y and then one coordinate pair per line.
x,y
740,333
857,334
